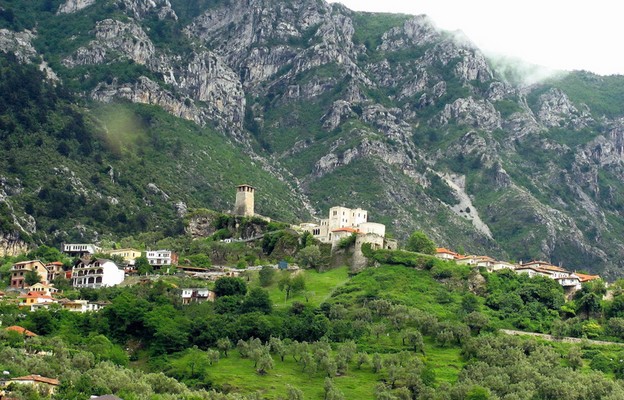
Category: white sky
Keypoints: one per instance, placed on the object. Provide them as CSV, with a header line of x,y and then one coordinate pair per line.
x,y
557,34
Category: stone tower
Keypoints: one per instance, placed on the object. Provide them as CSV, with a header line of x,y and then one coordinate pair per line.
x,y
244,200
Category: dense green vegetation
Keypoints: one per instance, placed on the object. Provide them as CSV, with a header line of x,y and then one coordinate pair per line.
x,y
427,331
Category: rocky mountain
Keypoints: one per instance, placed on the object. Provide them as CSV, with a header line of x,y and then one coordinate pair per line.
x,y
332,106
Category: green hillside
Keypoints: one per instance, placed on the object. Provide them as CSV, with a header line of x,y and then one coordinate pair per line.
x,y
394,332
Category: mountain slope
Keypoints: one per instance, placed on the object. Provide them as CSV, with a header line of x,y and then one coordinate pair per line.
x,y
374,110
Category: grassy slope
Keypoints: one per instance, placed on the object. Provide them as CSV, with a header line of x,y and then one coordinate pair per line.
x,y
414,288
239,374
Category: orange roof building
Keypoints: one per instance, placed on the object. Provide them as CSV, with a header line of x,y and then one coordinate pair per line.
x,y
41,382
446,254
21,331
586,278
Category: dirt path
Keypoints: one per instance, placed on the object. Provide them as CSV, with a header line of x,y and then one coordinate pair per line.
x,y
554,339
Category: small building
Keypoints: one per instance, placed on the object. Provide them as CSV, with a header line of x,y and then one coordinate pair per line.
x,y
43,384
498,265
569,283
19,270
586,278
532,271
197,295
42,288
159,258
96,273
129,255
22,331
445,254
485,261
82,306
467,260
55,269
80,249
32,298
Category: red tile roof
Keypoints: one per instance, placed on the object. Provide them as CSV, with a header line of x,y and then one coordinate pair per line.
x,y
40,295
38,378
347,229
20,330
443,250
586,278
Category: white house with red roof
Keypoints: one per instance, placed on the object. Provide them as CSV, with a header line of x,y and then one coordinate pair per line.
x,y
446,254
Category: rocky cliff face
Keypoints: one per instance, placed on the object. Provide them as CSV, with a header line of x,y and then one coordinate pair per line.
x,y
383,112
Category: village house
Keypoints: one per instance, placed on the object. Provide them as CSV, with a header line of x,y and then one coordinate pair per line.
x,y
446,254
586,278
35,298
46,385
82,306
42,288
128,255
467,260
532,271
499,265
160,258
22,331
96,273
197,295
80,250
19,270
55,269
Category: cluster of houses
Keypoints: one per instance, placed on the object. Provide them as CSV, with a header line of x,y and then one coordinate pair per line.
x,y
87,272
571,281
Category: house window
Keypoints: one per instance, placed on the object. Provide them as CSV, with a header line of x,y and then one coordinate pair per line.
x,y
335,213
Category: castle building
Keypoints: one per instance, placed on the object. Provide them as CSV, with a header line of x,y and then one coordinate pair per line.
x,y
341,222
244,205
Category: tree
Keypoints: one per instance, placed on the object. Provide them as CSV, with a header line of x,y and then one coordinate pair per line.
x,y
290,284
258,300
278,347
264,363
331,391
266,275
310,257
575,358
31,277
294,393
362,359
143,266
414,338
476,321
224,344
420,243
228,286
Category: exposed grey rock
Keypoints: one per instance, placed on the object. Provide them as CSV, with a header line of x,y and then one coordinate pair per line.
x,y
71,6
157,191
18,43
556,110
475,113
114,39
